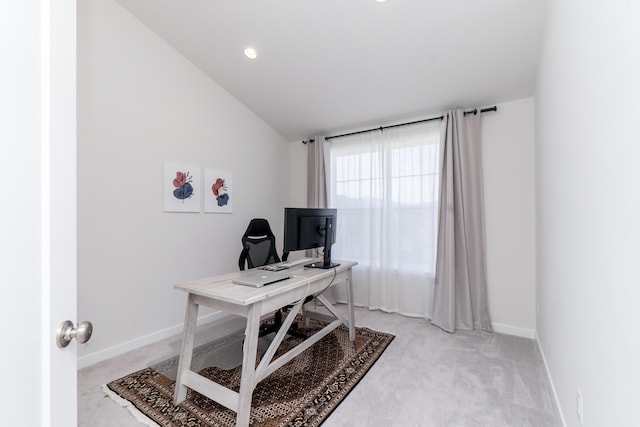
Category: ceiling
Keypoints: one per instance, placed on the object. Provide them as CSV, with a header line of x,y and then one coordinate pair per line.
x,y
325,66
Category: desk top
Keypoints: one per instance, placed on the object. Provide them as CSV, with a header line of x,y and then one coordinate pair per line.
x,y
221,288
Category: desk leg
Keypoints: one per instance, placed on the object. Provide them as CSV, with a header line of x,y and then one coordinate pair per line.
x,y
249,352
352,325
188,338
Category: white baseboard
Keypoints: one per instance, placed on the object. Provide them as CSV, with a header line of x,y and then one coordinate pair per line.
x,y
500,328
514,330
117,350
553,387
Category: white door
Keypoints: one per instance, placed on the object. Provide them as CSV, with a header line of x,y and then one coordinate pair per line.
x,y
37,210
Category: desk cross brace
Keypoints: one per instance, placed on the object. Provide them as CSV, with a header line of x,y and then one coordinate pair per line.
x,y
267,367
273,347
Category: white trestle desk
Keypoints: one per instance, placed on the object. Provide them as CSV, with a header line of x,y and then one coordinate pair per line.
x,y
220,293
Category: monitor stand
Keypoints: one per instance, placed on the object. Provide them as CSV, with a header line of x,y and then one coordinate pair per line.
x,y
328,242
322,265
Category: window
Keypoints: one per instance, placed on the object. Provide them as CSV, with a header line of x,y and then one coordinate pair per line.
x,y
385,185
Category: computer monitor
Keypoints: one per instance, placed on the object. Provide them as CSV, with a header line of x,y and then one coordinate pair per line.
x,y
309,228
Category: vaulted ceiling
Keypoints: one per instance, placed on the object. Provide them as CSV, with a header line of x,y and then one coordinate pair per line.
x,y
330,65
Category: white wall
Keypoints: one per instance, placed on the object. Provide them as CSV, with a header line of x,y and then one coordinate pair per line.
x,y
508,163
141,103
509,194
588,207
298,174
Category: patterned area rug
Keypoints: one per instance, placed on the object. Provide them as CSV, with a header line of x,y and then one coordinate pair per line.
x,y
301,393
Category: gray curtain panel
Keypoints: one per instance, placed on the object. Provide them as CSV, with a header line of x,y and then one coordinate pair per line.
x,y
460,295
316,174
316,179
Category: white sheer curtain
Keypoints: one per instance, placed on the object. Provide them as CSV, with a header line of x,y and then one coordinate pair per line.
x,y
385,185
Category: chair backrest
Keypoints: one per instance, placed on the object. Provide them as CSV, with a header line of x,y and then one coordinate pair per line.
x,y
258,245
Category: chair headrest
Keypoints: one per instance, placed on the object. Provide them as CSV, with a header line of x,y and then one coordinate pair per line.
x,y
258,227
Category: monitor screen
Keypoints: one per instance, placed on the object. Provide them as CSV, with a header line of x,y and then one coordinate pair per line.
x,y
309,228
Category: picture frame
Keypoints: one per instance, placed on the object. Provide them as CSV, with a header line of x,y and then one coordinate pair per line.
x,y
182,187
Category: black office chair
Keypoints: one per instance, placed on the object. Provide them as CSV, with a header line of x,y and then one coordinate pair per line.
x,y
258,249
258,245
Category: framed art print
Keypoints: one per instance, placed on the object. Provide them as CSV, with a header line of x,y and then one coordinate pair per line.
x,y
182,187
218,191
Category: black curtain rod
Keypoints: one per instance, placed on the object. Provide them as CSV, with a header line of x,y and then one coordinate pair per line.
x,y
381,128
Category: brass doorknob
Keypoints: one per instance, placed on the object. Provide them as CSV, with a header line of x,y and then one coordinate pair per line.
x,y
66,332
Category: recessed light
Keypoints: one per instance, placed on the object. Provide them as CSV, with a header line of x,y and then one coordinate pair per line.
x,y
250,53
381,1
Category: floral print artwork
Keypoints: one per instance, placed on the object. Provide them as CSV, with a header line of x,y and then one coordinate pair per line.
x,y
220,192
219,195
182,187
182,182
